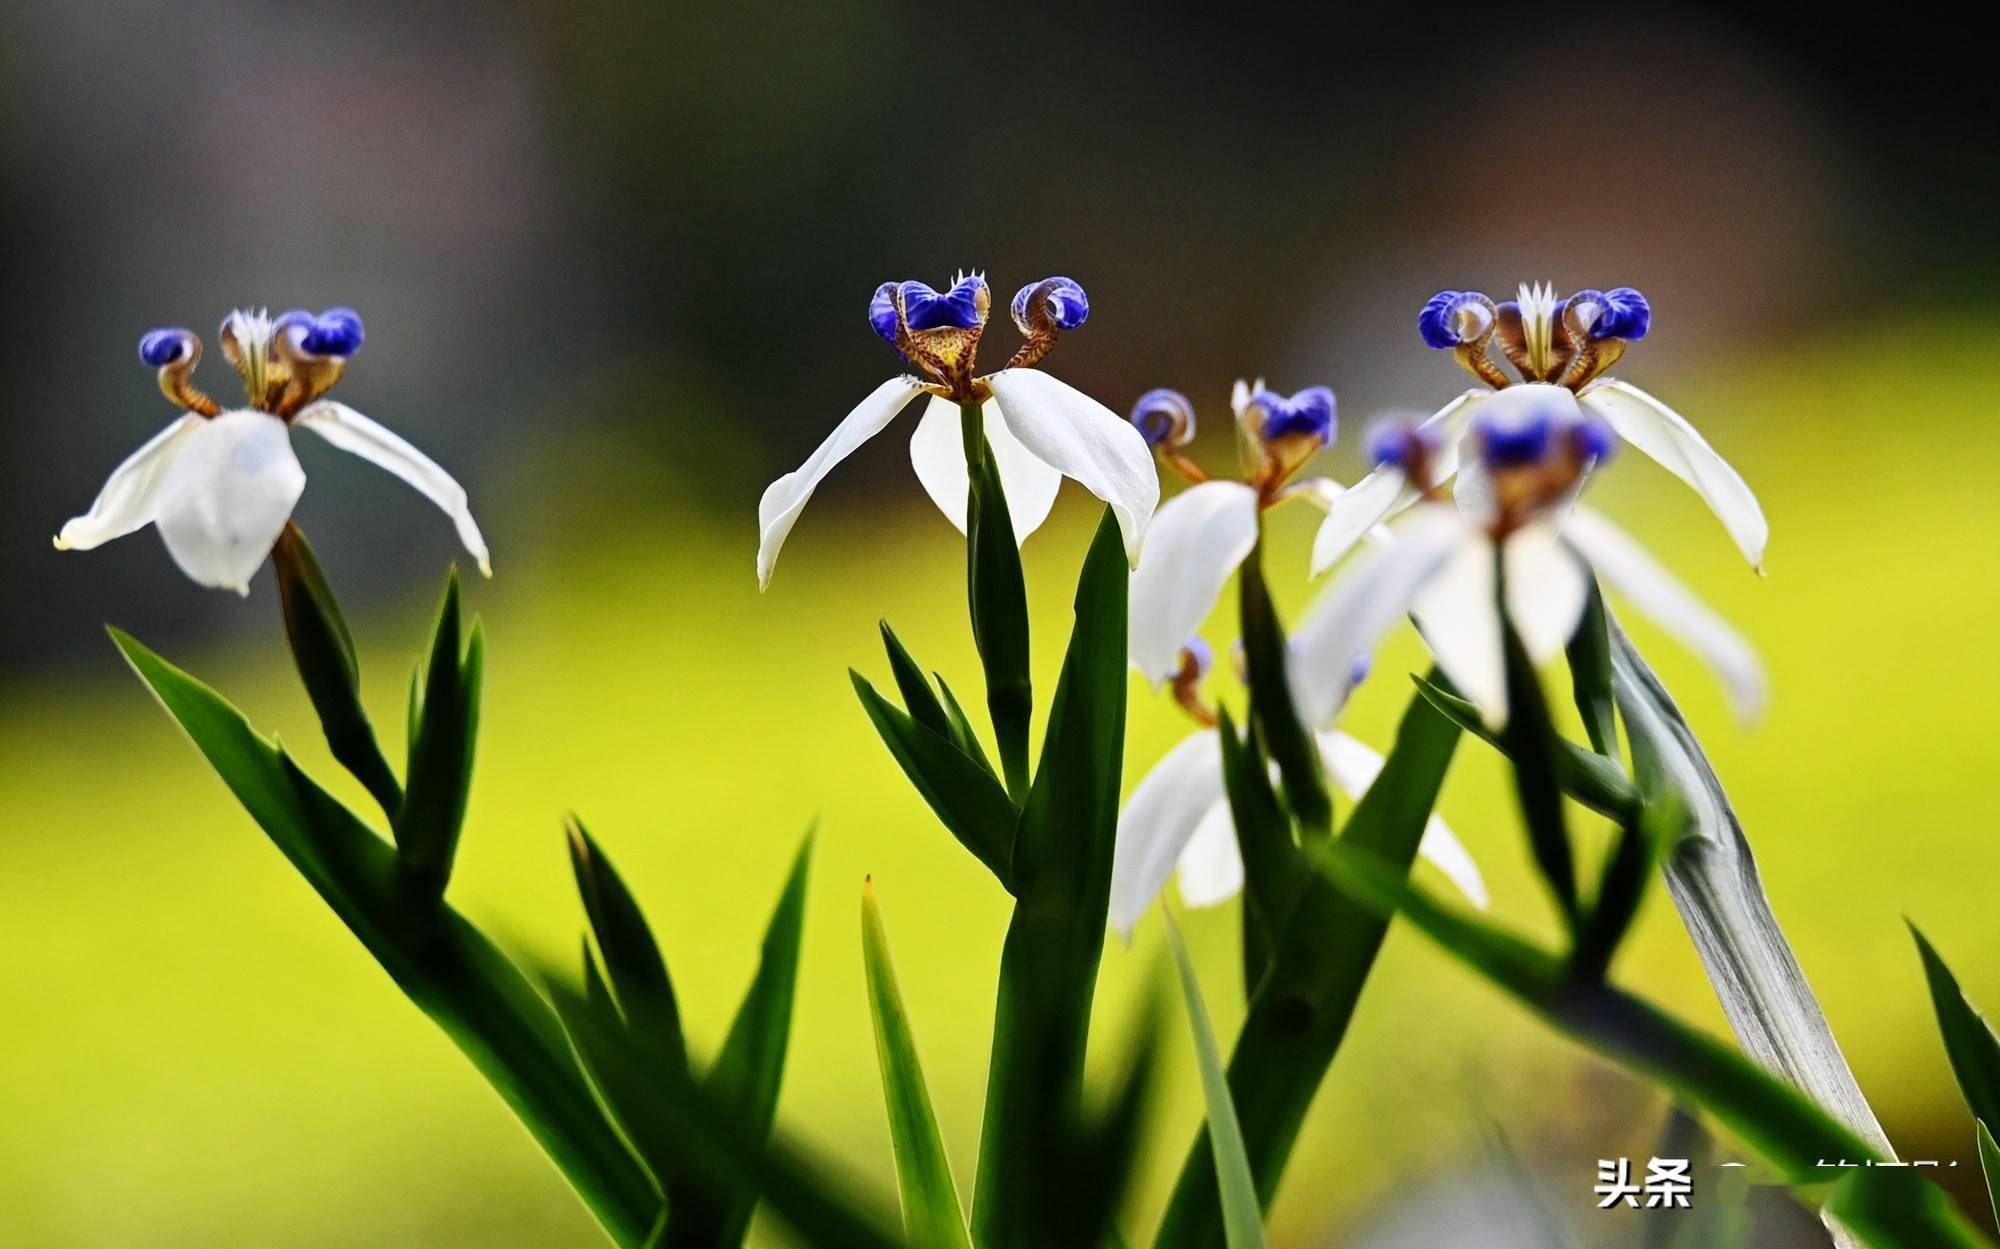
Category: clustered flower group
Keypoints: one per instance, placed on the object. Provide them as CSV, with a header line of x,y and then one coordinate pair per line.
x,y
1515,451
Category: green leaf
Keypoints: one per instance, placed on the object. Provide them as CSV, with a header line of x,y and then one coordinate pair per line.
x,y
918,697
931,1214
1062,885
1241,1217
962,734
1969,1040
1621,884
441,749
750,1068
1275,719
704,1135
1589,652
965,797
1989,1164
441,962
1592,779
1299,1014
1896,1208
632,961
1273,871
1530,738
324,654
998,596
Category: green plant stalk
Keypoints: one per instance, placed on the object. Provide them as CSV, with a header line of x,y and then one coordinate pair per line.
x,y
1062,888
1274,717
998,597
441,962
1299,1014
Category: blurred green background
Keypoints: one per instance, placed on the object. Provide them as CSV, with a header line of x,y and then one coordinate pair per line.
x,y
614,260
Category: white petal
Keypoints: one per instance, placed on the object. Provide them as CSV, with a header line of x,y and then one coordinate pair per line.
x,y
937,452
1157,822
1385,492
385,449
786,497
1196,541
1631,570
1365,602
1546,592
132,493
227,497
1087,442
1354,768
1211,867
1661,433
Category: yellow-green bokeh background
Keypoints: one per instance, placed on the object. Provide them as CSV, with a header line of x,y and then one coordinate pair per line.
x,y
195,1053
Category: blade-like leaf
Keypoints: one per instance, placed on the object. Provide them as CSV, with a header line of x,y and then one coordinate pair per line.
x,y
962,732
1621,884
1968,1038
931,1214
965,797
998,597
324,654
1530,738
1896,1208
1989,1165
441,750
1274,717
918,697
1237,1191
750,1069
1062,883
1273,872
1589,652
632,960
1300,1012
1590,778
441,962
683,1117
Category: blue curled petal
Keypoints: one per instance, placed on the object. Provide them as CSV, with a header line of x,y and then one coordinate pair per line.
x,y
1068,306
1627,315
1311,412
882,312
335,332
160,348
1436,322
1164,416
1201,653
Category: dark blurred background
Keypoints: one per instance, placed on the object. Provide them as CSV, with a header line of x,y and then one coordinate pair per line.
x,y
614,260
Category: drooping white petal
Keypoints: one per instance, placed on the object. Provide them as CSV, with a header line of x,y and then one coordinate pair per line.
x,y
1355,766
1666,437
227,497
1197,539
1546,592
385,449
132,493
1211,866
1157,822
937,452
778,510
1631,570
1365,602
1087,442
1385,492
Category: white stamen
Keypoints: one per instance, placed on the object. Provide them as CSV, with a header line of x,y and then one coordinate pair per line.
x,y
252,332
1538,318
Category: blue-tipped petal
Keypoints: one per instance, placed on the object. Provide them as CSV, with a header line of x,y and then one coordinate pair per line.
x,y
1515,439
1594,440
1364,663
1164,416
1200,653
1452,318
1627,315
1392,444
159,348
1311,412
960,308
335,332
882,312
1068,306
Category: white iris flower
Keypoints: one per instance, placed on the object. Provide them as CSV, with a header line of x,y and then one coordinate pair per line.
x,y
220,485
1555,344
1040,429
